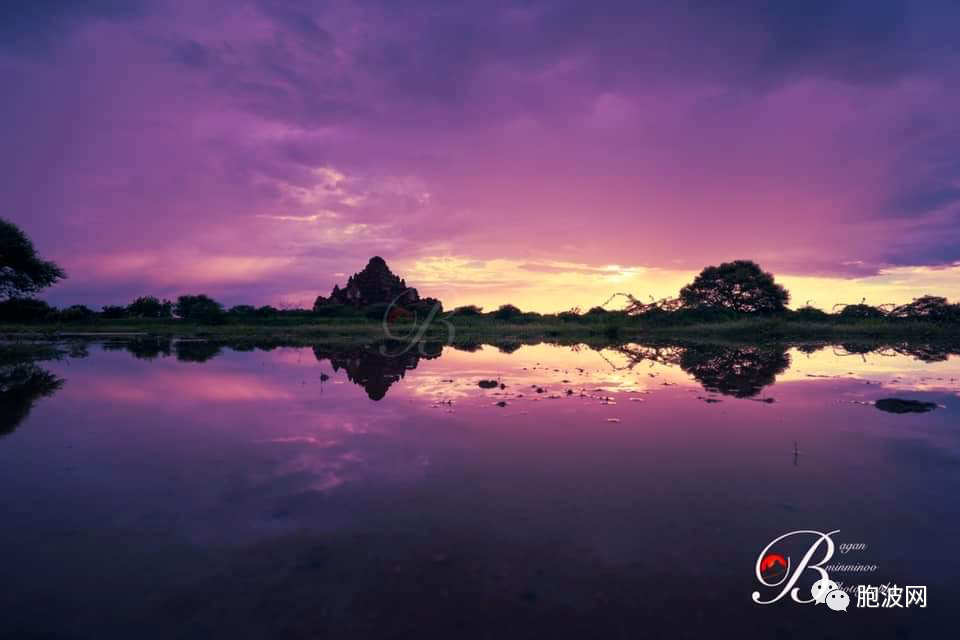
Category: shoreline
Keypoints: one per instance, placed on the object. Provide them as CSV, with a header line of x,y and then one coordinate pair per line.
x,y
744,331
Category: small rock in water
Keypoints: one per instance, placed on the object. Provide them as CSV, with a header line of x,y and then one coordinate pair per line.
x,y
900,405
488,384
502,403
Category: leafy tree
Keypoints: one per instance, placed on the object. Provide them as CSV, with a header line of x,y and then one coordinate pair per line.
x,y
740,286
199,308
507,313
150,307
266,311
22,272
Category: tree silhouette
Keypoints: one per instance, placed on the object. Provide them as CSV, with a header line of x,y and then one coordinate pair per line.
x,y
199,308
150,307
508,313
740,286
22,272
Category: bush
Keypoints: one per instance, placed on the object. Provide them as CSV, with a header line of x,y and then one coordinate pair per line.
x,y
334,311
861,312
810,314
470,310
243,310
688,316
113,312
399,314
508,313
266,311
424,307
26,310
929,308
76,313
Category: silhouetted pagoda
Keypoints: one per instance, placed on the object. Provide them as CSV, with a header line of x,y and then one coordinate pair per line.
x,y
376,284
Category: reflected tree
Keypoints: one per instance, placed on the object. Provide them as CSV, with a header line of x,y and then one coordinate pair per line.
x,y
196,350
508,346
143,348
928,352
741,372
150,348
21,385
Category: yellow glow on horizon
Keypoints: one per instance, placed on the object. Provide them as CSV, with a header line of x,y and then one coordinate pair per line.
x,y
549,287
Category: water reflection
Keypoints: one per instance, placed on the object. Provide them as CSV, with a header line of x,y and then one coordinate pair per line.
x,y
21,385
148,348
254,494
197,350
740,372
376,367
736,370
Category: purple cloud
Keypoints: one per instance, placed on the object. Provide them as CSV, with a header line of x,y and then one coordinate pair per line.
x,y
255,150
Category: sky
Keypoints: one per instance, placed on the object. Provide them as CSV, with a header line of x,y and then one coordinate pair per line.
x,y
546,153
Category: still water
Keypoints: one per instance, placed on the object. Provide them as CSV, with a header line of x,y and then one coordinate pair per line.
x,y
194,490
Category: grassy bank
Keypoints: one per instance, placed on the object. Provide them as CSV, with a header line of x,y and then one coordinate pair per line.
x,y
485,329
